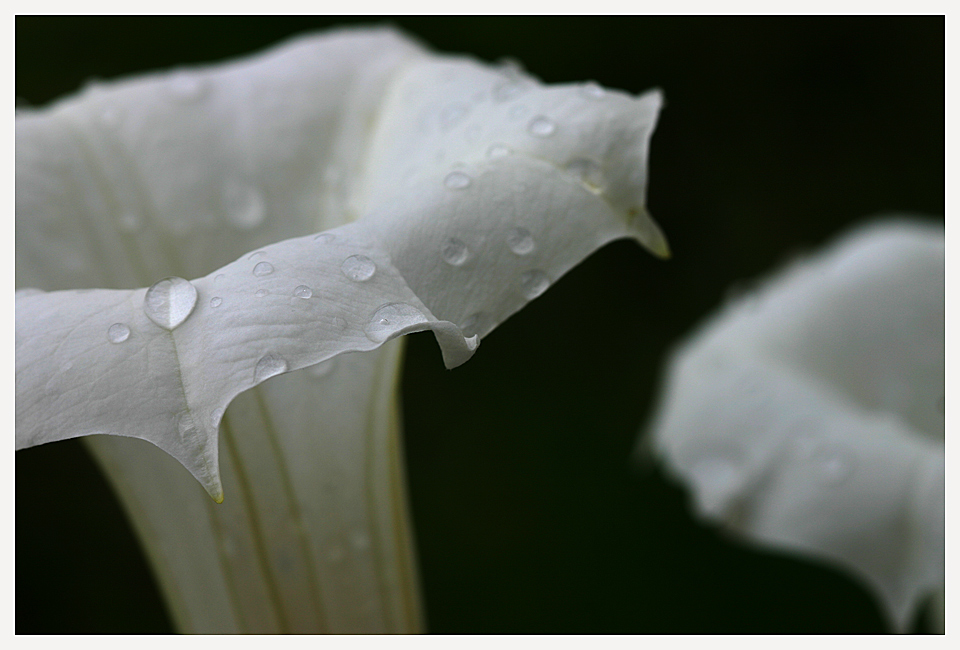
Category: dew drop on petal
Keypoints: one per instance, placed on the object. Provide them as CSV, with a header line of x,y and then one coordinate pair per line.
x,y
262,269
390,318
358,268
541,126
507,90
587,172
169,301
498,151
118,333
520,241
454,252
256,254
533,283
324,238
456,180
303,291
261,293
216,301
473,324
592,90
270,365
219,277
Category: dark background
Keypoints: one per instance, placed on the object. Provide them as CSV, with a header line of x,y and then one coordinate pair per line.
x,y
530,517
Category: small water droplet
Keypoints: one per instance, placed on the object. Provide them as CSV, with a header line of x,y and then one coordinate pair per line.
x,y
186,426
456,180
187,87
322,369
261,293
340,322
270,365
358,268
533,283
592,90
587,172
216,301
169,301
303,291
219,277
118,333
390,318
452,114
324,238
215,417
262,269
498,151
473,324
256,255
520,241
244,204
129,222
454,252
541,126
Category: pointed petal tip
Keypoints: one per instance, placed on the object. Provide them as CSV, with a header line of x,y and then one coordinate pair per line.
x,y
646,231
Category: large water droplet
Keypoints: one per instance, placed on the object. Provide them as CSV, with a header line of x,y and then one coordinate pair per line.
x,y
358,268
303,291
216,301
533,283
118,333
169,302
454,252
391,318
262,269
244,204
270,365
456,180
520,241
541,126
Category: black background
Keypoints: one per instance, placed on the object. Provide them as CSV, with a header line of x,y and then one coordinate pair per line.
x,y
778,133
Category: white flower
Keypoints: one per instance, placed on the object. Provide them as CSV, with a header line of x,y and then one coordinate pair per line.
x,y
438,209
810,415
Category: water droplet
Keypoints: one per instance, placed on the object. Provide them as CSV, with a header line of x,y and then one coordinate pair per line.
x,y
592,90
324,238
219,277
456,180
261,293
322,369
187,87
533,283
186,426
256,254
118,333
303,291
473,324
390,318
541,127
262,269
215,417
507,90
244,204
520,241
498,151
270,365
216,301
452,114
454,252
587,172
169,302
341,322
129,222
358,268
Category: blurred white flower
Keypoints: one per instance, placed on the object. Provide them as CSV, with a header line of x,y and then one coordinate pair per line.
x,y
809,414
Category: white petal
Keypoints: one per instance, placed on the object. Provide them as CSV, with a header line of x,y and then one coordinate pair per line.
x,y
810,415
